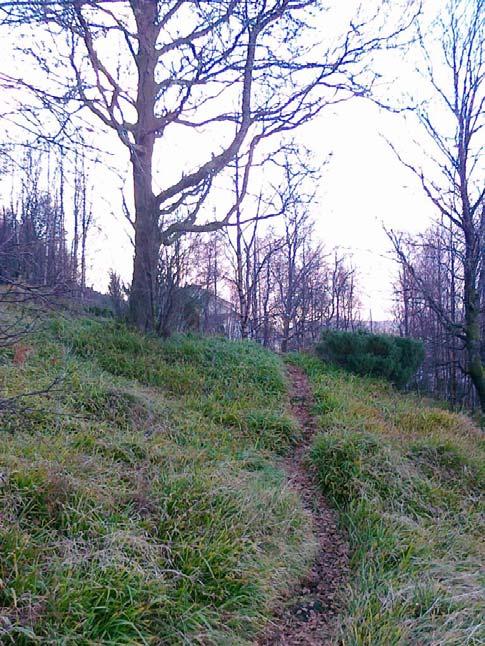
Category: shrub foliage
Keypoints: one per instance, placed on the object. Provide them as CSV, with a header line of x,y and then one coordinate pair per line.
x,y
377,355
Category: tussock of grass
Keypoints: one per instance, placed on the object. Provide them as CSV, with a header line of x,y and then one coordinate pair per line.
x,y
407,477
143,503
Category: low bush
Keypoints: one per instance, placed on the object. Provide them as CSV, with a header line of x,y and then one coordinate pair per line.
x,y
376,355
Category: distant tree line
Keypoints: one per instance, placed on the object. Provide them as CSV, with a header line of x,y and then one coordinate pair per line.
x,y
44,227
430,305
267,277
279,288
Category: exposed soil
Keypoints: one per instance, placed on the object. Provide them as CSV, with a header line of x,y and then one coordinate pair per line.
x,y
310,613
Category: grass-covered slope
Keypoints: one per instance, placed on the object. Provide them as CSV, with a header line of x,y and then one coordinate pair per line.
x,y
142,503
408,480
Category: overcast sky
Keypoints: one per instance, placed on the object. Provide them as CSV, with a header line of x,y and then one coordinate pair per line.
x,y
365,188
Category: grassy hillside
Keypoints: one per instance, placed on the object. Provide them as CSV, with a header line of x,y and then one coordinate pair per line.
x,y
408,480
142,503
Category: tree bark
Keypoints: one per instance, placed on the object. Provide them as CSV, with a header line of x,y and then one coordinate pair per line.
x,y
472,320
147,234
286,335
147,245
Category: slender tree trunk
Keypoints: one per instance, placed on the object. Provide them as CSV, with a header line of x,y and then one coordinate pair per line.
x,y
452,340
84,235
242,296
286,335
79,197
265,309
473,336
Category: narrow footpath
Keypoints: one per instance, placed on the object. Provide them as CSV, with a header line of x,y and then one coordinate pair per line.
x,y
310,613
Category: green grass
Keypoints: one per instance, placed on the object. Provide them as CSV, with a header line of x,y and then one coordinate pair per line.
x,y
143,503
408,479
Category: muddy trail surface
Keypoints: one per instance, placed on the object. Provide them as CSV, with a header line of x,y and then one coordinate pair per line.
x,y
309,615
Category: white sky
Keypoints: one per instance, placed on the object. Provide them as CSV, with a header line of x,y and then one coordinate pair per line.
x,y
365,187
362,187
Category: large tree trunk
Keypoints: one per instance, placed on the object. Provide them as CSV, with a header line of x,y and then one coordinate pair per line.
x,y
475,368
147,236
147,245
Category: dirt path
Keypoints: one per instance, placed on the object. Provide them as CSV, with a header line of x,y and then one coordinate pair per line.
x,y
309,615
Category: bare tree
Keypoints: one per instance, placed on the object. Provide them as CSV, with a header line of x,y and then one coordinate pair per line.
x,y
284,288
250,258
296,257
264,302
82,223
250,253
33,239
429,306
342,309
245,72
453,123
